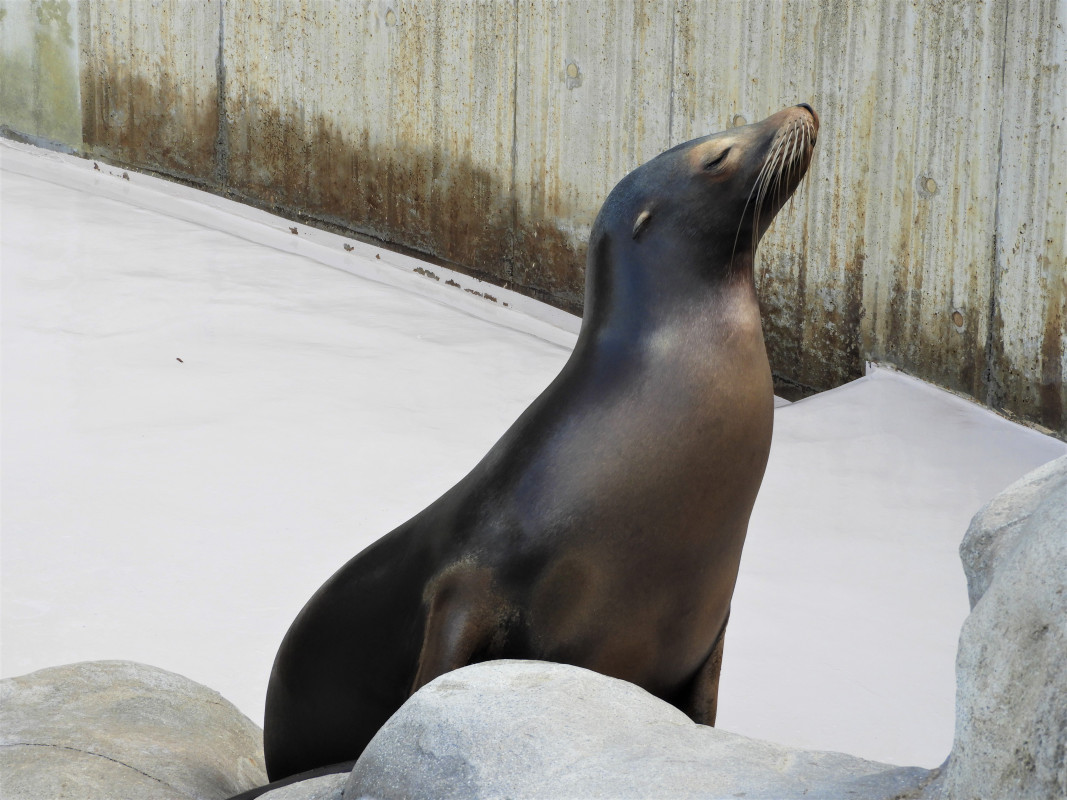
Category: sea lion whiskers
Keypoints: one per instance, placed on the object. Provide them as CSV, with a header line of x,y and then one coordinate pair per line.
x,y
768,178
789,161
786,164
756,190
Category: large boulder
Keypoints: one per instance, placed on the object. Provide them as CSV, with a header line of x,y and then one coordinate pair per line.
x,y
1011,667
1006,519
525,729
115,729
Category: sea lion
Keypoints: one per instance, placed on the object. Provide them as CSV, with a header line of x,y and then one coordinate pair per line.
x,y
605,528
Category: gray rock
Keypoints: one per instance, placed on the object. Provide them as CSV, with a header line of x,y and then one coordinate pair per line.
x,y
325,787
995,529
525,729
1011,668
115,730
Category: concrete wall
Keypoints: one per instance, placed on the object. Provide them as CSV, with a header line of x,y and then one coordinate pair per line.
x,y
39,71
930,234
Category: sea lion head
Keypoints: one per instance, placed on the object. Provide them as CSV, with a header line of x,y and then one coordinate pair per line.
x,y
701,207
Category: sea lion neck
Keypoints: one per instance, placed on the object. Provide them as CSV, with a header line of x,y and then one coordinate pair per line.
x,y
636,289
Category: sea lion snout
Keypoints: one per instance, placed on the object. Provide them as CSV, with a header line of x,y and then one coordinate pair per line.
x,y
811,111
792,143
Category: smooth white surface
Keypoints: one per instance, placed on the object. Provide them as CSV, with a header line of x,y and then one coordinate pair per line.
x,y
850,598
179,513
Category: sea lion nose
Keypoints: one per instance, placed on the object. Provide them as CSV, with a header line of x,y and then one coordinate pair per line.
x,y
811,111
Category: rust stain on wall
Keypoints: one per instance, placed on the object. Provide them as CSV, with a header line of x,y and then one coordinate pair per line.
x,y
128,120
1052,391
419,198
149,88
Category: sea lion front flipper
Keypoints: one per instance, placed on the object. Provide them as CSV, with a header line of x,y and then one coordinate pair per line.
x,y
462,619
703,701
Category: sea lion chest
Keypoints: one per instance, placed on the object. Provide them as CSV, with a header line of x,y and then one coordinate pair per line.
x,y
628,512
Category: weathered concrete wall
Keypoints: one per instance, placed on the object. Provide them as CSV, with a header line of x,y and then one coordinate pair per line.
x,y
150,84
930,233
39,71
1028,345
395,120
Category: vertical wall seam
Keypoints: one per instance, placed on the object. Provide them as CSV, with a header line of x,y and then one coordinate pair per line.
x,y
131,116
222,141
37,110
85,60
670,78
991,391
509,263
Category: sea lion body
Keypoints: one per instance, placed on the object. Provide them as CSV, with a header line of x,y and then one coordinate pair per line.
x,y
605,528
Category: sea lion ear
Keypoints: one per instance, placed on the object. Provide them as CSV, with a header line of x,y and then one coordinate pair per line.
x,y
641,221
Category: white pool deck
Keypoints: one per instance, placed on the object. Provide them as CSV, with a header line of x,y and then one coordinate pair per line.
x,y
204,415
